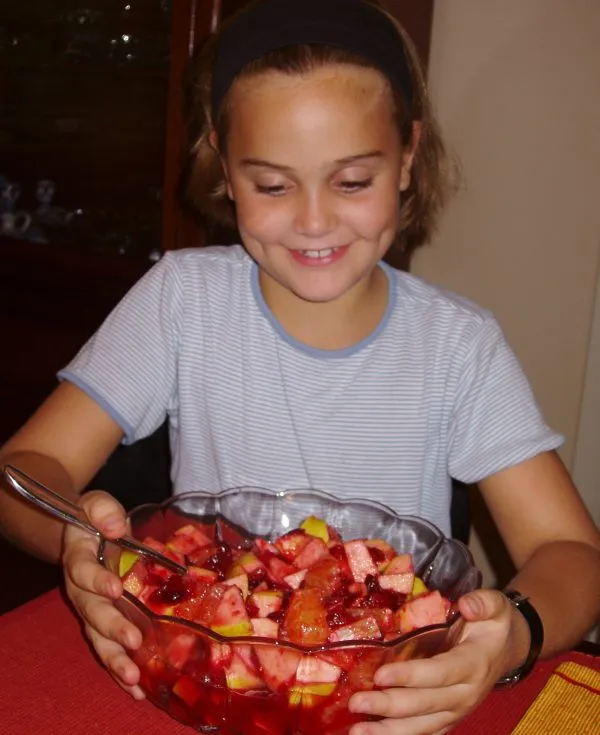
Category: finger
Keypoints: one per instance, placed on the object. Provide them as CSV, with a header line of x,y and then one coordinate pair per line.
x,y
436,724
406,703
83,570
483,605
108,622
105,513
118,663
443,670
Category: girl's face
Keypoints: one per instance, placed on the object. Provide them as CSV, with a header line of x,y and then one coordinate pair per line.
x,y
315,166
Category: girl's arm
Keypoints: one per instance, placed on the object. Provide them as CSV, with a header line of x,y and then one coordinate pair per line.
x,y
63,444
556,547
554,544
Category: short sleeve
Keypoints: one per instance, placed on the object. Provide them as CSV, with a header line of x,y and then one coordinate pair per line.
x,y
496,422
129,366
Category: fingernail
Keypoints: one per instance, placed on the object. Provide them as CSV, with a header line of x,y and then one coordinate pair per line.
x,y
113,523
138,694
474,604
111,590
360,705
381,679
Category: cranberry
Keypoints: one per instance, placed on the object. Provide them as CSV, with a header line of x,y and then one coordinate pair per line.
x,y
277,617
339,552
221,560
336,616
256,577
176,589
251,608
377,555
372,583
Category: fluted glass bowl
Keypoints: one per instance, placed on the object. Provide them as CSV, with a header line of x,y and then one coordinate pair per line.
x,y
179,660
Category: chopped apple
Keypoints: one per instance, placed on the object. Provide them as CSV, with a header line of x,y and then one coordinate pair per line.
x,y
241,674
401,564
230,617
126,561
278,665
381,552
419,612
316,527
264,628
419,587
364,629
267,602
278,569
193,532
188,690
315,550
180,649
241,582
309,695
402,583
203,575
220,654
250,563
383,615
296,579
291,543
313,670
359,558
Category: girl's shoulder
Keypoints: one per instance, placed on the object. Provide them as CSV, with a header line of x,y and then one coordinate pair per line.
x,y
214,258
427,300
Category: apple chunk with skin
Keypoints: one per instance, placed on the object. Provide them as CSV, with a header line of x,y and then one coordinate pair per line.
x,y
428,609
360,560
231,617
241,673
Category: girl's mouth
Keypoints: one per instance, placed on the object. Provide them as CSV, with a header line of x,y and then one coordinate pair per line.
x,y
316,258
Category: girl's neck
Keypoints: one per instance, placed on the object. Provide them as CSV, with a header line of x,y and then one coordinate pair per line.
x,y
335,325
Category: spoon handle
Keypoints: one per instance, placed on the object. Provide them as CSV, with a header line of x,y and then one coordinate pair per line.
x,y
57,505
48,500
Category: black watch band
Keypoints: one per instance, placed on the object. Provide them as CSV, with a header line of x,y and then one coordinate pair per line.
x,y
536,631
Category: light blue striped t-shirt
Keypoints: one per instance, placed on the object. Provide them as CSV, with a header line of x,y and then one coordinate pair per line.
x,y
433,393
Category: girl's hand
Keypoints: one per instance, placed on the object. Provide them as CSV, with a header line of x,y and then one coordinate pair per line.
x,y
430,696
92,588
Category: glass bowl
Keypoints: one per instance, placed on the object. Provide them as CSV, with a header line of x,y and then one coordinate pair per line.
x,y
181,662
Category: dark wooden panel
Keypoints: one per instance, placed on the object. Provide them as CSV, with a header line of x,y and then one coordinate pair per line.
x,y
51,301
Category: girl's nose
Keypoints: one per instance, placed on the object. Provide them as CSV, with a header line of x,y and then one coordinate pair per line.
x,y
315,215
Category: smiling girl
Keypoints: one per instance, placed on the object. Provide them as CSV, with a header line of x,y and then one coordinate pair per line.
x,y
299,358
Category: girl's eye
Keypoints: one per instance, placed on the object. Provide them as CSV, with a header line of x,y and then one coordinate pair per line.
x,y
273,191
352,186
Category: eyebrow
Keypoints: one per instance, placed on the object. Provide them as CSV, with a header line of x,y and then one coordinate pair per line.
x,y
259,162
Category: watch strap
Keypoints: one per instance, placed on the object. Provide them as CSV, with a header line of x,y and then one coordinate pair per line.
x,y
536,635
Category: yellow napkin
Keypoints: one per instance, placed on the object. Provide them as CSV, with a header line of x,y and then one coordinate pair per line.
x,y
569,704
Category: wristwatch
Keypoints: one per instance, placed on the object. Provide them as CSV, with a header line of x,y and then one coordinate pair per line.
x,y
536,631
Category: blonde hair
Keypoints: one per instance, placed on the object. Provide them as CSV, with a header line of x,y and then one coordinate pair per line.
x,y
432,175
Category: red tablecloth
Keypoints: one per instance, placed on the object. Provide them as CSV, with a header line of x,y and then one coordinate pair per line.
x,y
50,684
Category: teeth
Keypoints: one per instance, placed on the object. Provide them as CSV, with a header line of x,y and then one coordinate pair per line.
x,y
319,253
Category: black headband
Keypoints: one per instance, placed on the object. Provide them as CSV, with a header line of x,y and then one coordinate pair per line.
x,y
274,24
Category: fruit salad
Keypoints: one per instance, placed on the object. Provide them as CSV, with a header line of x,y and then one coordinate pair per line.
x,y
291,627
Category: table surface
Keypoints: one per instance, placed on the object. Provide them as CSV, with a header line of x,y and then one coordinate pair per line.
x,y
50,683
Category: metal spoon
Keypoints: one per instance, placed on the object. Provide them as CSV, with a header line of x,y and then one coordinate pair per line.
x,y
57,505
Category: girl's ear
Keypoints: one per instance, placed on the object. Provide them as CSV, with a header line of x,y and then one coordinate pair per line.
x,y
213,139
408,155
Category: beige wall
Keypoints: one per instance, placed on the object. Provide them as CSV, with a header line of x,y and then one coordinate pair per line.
x,y
516,85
